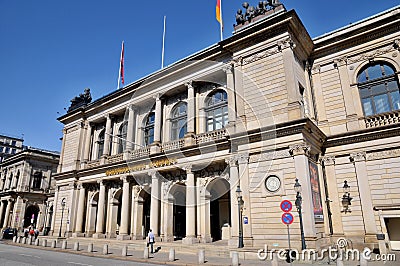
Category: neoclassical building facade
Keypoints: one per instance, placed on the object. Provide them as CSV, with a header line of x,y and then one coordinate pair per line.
x,y
27,189
257,111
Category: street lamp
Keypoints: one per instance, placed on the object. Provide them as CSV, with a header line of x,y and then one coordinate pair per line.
x,y
346,199
299,199
62,215
240,209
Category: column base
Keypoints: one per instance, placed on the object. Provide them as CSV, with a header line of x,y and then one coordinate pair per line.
x,y
78,234
98,235
233,242
190,240
123,237
189,139
155,148
206,239
137,237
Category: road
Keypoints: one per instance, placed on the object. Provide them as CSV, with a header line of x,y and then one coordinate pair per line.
x,y
13,255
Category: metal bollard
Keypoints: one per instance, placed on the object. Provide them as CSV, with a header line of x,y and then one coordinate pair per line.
x,y
90,248
54,244
44,242
171,255
37,242
19,239
15,239
146,253
105,249
64,244
124,251
235,258
76,246
202,256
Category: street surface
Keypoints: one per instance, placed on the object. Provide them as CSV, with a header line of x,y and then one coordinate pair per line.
x,y
13,255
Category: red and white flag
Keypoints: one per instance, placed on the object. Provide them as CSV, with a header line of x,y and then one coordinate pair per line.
x,y
121,67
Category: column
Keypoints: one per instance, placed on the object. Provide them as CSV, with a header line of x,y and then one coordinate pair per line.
x,y
1,211
230,86
131,125
107,135
60,163
55,206
234,182
351,115
204,218
190,207
191,118
137,214
319,98
331,182
7,214
243,161
88,142
155,202
293,93
300,153
359,161
100,211
80,211
123,229
157,120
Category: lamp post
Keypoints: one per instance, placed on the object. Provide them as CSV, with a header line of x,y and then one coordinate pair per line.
x,y
240,209
62,215
299,199
346,199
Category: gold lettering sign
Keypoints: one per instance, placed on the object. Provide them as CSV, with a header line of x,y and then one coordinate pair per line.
x,y
140,167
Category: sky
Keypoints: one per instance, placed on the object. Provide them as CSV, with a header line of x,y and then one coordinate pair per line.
x,y
51,50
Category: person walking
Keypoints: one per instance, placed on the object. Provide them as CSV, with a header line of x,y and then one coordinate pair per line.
x,y
151,241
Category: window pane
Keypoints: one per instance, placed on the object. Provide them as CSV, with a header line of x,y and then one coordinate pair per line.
x,y
388,70
396,100
362,77
382,103
210,125
392,85
374,72
378,89
367,105
364,93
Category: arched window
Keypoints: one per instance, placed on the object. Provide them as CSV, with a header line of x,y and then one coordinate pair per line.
x,y
122,134
15,181
37,180
379,89
100,144
178,121
149,129
217,110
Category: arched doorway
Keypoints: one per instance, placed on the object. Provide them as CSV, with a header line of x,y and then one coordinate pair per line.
x,y
220,211
177,195
31,215
146,212
115,213
91,218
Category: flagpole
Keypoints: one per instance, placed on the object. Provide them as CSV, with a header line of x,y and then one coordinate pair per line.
x,y
119,71
221,23
163,44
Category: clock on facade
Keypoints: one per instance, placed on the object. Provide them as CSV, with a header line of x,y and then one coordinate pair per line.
x,y
272,183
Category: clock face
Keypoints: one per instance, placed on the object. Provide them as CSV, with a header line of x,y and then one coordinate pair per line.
x,y
272,183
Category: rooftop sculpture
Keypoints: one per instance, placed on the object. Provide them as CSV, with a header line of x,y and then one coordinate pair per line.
x,y
252,12
81,100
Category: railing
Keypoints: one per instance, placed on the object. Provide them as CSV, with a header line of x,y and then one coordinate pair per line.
x,y
94,163
172,145
211,136
382,119
143,152
115,158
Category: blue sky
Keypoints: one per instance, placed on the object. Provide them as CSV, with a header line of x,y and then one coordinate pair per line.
x,y
50,50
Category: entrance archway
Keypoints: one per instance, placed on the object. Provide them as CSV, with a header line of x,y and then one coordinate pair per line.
x,y
220,211
31,215
92,215
178,195
146,201
114,217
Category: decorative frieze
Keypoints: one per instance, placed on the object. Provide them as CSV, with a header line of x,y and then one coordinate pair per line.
x,y
383,154
299,149
328,160
373,54
358,156
261,55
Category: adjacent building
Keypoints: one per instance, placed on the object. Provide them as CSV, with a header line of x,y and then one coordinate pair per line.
x,y
9,146
27,189
250,114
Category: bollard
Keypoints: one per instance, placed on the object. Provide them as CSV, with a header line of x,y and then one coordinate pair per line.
x,y
15,239
54,244
235,258
171,255
274,261
37,242
90,248
202,256
19,239
76,246
64,244
44,242
30,240
146,253
124,251
363,259
24,240
105,249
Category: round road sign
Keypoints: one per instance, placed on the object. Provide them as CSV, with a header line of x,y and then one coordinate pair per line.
x,y
287,218
286,206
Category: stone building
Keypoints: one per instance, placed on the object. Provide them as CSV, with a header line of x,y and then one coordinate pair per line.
x,y
9,146
257,110
27,189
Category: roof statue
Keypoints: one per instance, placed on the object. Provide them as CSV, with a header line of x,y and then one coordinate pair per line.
x,y
252,12
82,100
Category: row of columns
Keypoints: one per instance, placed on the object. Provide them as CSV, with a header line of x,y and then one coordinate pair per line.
x,y
7,205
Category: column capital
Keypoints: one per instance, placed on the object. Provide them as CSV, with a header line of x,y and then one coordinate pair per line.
x,y
287,43
316,69
243,158
189,84
125,178
340,62
299,149
232,161
188,168
358,156
152,173
157,96
328,160
132,107
72,185
101,182
80,185
228,68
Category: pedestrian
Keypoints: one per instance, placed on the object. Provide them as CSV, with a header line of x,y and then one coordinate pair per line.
x,y
26,232
36,231
151,241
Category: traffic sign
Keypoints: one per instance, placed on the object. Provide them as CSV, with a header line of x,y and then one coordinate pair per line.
x,y
287,218
286,206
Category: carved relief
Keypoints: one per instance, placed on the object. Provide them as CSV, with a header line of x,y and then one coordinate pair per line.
x,y
358,156
383,154
328,160
371,55
299,149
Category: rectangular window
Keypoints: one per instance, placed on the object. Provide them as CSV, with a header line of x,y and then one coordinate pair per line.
x,y
1,149
13,143
7,150
382,103
396,100
13,151
367,105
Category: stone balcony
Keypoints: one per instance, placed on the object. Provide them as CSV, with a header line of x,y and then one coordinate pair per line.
x,y
382,119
